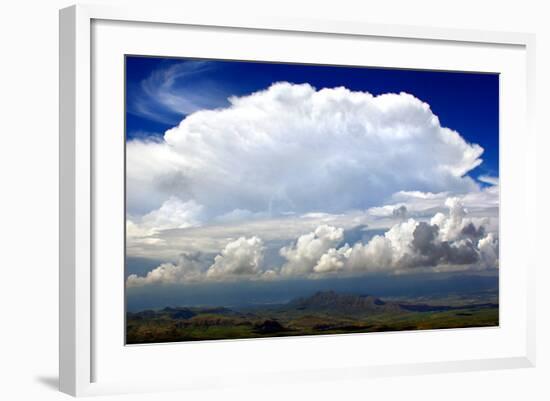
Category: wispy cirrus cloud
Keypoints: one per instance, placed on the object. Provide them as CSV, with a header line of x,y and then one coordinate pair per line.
x,y
170,93
487,179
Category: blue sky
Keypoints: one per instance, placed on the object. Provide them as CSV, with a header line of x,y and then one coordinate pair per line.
x,y
465,102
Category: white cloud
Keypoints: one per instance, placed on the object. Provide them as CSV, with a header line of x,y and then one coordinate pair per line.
x,y
450,225
488,248
332,260
173,213
303,256
237,215
482,202
291,148
400,237
398,211
242,257
381,254
188,268
376,255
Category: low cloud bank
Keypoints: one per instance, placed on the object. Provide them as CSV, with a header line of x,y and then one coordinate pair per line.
x,y
447,242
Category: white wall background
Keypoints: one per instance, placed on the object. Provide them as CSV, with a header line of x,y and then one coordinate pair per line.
x,y
29,185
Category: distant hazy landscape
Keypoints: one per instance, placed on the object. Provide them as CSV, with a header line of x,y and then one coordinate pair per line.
x,y
325,312
275,199
455,302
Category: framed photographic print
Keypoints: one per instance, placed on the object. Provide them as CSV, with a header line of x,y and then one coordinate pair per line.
x,y
248,190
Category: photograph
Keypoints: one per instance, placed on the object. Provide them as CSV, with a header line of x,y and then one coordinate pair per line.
x,y
275,199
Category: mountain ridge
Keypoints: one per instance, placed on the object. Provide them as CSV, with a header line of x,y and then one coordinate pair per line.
x,y
331,300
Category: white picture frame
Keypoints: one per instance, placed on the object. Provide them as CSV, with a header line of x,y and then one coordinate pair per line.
x,y
78,316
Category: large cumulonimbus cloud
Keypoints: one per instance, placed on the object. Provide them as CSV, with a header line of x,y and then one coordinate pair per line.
x,y
294,148
452,241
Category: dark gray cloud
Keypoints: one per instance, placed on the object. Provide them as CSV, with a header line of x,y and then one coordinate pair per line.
x,y
475,234
400,212
429,251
